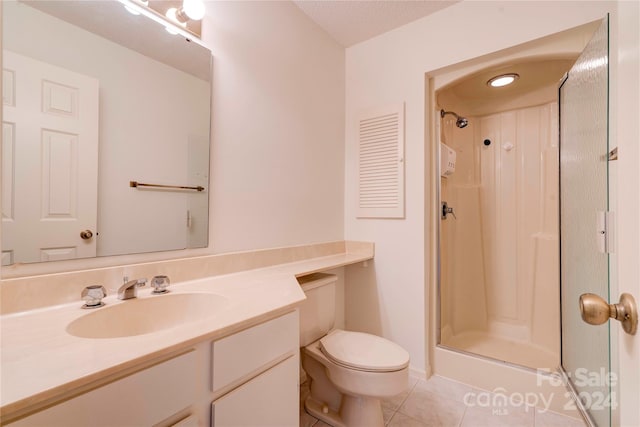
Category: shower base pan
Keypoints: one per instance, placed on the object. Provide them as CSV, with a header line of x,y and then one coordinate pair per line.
x,y
494,374
503,349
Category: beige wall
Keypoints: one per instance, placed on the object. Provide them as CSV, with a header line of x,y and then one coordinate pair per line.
x,y
390,69
278,127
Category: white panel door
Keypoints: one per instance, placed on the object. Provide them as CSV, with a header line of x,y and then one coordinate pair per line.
x,y
50,161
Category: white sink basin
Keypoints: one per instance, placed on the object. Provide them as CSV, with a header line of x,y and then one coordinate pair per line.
x,y
139,316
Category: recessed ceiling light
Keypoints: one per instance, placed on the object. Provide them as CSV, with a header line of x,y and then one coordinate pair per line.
x,y
503,80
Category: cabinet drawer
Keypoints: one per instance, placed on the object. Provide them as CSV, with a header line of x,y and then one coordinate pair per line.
x,y
245,353
270,399
144,398
190,421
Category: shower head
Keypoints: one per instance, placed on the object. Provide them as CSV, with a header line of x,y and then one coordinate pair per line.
x,y
461,122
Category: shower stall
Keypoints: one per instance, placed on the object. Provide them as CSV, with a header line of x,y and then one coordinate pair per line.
x,y
504,295
499,286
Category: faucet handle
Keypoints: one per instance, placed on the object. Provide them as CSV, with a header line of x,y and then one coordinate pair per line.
x,y
92,295
160,284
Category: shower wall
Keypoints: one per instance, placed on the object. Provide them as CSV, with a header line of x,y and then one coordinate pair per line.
x,y
499,268
463,291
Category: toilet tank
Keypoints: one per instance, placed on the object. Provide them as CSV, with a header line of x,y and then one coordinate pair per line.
x,y
318,311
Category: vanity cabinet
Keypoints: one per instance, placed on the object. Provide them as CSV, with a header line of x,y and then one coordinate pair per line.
x,y
248,378
144,398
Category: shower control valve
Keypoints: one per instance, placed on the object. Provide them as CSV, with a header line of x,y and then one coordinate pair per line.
x,y
446,209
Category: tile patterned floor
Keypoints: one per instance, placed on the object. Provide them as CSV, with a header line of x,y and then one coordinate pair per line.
x,y
440,402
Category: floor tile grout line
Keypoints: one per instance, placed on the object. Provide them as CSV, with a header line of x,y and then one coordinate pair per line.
x,y
391,418
407,396
464,413
405,415
404,400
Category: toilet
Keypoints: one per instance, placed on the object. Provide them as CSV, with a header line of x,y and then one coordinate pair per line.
x,y
348,372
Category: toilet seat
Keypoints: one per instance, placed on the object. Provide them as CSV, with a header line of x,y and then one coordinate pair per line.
x,y
363,352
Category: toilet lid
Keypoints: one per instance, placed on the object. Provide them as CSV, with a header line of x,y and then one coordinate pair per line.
x,y
365,352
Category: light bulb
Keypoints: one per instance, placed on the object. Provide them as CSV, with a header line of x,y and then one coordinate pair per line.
x,y
503,80
194,9
172,14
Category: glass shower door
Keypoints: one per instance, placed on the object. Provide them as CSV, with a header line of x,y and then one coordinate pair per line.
x,y
584,197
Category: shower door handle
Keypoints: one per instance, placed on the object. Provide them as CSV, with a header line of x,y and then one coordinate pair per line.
x,y
446,209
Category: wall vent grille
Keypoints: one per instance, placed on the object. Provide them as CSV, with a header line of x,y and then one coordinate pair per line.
x,y
381,163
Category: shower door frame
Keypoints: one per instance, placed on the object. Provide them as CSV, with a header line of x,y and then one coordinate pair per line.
x,y
576,395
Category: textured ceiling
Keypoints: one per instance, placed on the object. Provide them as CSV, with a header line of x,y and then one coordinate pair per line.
x,y
352,21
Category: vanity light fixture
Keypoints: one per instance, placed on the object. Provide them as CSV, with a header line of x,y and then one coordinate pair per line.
x,y
503,80
134,10
172,20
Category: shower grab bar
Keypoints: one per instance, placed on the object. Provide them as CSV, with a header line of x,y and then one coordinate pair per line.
x,y
137,184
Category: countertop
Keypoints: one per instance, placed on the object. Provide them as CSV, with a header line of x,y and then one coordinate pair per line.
x,y
41,361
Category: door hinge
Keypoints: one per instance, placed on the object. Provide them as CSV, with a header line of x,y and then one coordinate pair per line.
x,y
606,231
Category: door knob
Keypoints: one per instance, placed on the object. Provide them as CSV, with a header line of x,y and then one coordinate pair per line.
x,y
596,311
86,234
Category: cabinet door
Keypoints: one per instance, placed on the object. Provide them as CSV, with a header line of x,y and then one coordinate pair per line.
x,y
270,399
238,357
142,399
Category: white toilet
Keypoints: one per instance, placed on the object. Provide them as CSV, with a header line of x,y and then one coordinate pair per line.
x,y
349,372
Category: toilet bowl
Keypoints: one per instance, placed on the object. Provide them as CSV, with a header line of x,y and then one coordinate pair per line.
x,y
349,372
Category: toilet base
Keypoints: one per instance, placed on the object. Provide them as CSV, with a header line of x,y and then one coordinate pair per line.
x,y
315,409
355,411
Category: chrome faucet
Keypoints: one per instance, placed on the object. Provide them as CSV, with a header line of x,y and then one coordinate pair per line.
x,y
129,289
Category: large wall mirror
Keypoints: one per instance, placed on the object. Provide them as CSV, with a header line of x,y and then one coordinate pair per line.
x,y
94,98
